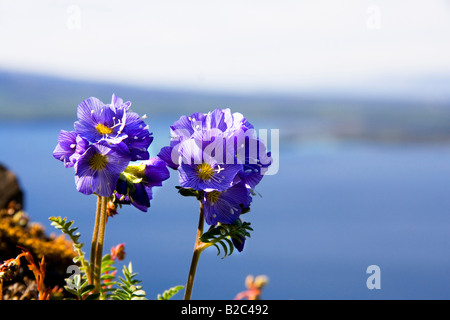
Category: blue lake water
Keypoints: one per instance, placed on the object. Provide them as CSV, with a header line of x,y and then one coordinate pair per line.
x,y
332,210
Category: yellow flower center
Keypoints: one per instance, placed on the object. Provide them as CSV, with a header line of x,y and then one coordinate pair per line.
x,y
212,196
102,129
204,171
98,161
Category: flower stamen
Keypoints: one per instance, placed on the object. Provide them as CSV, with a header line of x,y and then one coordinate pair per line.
x,y
212,196
205,171
102,129
98,161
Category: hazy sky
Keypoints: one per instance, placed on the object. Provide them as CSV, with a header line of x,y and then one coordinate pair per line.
x,y
231,45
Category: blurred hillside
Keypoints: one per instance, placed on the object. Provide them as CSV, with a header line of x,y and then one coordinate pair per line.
x,y
300,117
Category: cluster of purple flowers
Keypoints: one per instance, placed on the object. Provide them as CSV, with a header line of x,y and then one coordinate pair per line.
x,y
219,155
106,138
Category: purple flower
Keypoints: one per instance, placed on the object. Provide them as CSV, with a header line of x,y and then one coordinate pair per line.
x,y
69,148
97,121
98,169
219,125
225,206
217,153
206,149
201,171
136,183
106,138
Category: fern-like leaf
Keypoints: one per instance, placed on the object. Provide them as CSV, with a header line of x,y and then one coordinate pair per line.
x,y
129,288
107,278
221,236
80,288
66,228
78,283
169,293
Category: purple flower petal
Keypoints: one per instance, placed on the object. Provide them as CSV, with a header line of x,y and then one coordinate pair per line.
x,y
86,184
226,206
239,243
69,148
215,119
155,172
165,154
66,147
186,126
138,137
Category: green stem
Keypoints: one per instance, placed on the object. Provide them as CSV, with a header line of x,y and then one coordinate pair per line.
x,y
94,240
198,248
100,241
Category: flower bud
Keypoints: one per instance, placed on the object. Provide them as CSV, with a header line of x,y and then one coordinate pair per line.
x,y
118,252
111,209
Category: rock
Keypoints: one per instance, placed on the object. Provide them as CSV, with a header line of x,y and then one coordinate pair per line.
x,y
17,232
10,191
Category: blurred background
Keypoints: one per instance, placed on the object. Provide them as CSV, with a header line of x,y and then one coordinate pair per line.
x,y
360,93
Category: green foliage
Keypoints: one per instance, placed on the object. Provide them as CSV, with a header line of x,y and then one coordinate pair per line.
x,y
222,234
66,228
128,286
80,288
76,284
107,277
170,293
189,192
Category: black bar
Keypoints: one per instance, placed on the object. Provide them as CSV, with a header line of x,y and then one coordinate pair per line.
x,y
222,309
